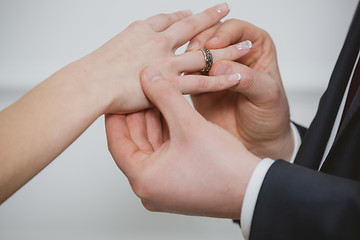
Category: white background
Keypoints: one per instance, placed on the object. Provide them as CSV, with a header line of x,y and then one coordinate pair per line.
x,y
82,194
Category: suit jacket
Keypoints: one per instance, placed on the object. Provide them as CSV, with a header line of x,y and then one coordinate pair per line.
x,y
296,201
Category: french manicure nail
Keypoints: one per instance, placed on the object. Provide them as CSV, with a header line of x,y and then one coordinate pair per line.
x,y
222,7
234,77
244,45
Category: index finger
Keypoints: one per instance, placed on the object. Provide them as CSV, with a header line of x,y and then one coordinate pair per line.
x,y
182,31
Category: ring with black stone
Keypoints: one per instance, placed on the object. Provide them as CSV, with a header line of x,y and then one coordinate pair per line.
x,y
208,60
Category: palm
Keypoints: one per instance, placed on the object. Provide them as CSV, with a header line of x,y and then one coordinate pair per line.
x,y
256,112
173,167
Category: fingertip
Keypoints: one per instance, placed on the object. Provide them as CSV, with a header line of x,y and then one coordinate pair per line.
x,y
223,8
244,45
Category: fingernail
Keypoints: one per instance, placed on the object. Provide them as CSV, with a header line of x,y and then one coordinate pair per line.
x,y
234,77
192,45
153,74
222,7
244,45
221,69
186,13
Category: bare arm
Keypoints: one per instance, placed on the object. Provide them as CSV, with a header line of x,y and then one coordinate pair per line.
x,y
38,127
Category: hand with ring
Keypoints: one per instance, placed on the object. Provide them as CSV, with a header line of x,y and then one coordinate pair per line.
x,y
115,67
256,110
62,107
175,160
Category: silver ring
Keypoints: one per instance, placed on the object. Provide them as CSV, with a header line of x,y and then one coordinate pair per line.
x,y
208,60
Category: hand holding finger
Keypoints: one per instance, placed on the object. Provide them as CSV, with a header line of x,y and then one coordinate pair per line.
x,y
193,61
256,86
196,84
169,100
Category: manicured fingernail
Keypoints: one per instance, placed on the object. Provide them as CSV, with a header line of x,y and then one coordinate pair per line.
x,y
153,74
222,7
244,45
221,69
234,77
192,45
186,13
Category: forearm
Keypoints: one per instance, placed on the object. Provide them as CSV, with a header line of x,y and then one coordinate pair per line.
x,y
39,126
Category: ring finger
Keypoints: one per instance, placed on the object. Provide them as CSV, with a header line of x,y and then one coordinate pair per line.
x,y
194,61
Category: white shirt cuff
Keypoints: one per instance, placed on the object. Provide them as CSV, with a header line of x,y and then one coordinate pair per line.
x,y
255,183
251,195
297,142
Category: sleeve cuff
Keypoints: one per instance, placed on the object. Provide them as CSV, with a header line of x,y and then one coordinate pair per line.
x,y
297,142
251,195
255,183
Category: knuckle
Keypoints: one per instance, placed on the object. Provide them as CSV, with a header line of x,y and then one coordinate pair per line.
x,y
162,15
274,92
179,15
160,39
174,80
222,83
203,83
138,24
229,53
190,24
165,17
232,21
247,79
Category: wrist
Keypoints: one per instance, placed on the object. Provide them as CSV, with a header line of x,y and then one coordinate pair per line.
x,y
281,147
98,86
245,175
85,87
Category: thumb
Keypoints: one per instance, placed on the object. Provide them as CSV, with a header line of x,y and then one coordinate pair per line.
x,y
170,101
256,86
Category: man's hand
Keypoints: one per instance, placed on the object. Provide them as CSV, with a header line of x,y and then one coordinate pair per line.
x,y
180,163
256,110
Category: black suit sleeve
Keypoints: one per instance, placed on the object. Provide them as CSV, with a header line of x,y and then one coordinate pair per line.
x,y
298,203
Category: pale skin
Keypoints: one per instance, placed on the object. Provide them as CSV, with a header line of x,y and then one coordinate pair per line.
x,y
182,163
186,163
39,126
256,110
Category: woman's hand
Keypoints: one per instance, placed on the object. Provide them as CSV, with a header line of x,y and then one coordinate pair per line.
x,y
183,163
115,67
256,110
39,126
